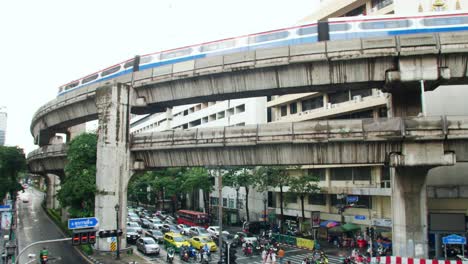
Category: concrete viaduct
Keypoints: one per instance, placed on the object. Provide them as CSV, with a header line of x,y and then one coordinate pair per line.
x,y
398,64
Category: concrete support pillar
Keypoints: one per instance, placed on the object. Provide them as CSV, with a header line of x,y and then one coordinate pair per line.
x,y
53,185
409,210
326,100
113,159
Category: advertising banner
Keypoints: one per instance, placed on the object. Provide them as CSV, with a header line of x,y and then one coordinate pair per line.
x,y
6,220
315,218
305,243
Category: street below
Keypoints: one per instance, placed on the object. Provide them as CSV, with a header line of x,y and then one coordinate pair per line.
x,y
34,225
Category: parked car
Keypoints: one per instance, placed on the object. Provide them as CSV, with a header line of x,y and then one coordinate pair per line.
x,y
198,231
182,226
156,223
170,228
156,234
200,241
147,245
145,223
214,230
135,219
175,241
132,235
136,226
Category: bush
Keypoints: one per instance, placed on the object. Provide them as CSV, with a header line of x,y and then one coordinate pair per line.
x,y
87,249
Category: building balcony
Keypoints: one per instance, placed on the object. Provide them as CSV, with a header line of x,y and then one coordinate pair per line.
x,y
357,104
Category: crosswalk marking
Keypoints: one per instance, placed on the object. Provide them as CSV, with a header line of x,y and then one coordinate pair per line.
x,y
295,259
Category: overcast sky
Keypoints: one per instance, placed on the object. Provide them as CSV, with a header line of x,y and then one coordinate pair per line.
x,y
47,43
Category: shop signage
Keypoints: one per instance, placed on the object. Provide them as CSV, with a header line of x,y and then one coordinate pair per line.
x,y
360,217
315,219
382,222
454,239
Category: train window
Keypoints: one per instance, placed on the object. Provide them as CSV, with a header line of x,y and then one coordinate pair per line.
x,y
176,53
339,27
307,30
90,78
110,71
385,24
71,85
144,60
218,45
268,37
444,21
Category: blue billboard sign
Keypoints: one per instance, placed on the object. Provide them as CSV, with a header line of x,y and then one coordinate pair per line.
x,y
352,199
77,223
454,239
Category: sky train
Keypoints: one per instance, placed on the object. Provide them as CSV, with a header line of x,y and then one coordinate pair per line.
x,y
332,29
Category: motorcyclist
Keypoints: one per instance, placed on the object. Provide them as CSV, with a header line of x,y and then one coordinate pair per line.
x,y
44,256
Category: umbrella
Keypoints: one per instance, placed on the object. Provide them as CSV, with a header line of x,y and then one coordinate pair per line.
x,y
348,227
328,224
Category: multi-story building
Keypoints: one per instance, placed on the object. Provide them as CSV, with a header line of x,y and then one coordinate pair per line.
x,y
3,125
239,112
368,186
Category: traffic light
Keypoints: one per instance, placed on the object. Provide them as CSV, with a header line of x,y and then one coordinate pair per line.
x,y
371,232
110,233
76,239
232,255
92,237
84,238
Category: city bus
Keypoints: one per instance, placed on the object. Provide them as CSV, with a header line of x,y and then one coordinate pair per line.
x,y
193,218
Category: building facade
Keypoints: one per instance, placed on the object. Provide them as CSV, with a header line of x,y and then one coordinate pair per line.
x,y
239,112
366,190
3,125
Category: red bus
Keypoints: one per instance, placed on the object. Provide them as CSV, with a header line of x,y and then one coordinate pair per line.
x,y
193,218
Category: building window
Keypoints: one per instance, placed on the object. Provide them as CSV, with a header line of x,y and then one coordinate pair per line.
x,y
232,203
240,108
290,198
214,200
361,92
379,4
224,202
284,110
363,201
317,199
293,108
339,97
241,204
312,103
320,173
351,174
271,199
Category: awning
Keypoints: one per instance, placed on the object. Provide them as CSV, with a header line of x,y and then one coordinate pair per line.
x,y
329,224
349,227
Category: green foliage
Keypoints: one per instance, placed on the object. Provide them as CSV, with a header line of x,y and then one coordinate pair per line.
x,y
304,185
12,162
197,178
79,185
271,177
240,177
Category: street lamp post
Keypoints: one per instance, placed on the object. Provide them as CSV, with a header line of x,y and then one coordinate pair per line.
x,y
117,207
265,200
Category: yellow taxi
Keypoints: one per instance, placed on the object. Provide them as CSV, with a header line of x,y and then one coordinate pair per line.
x,y
175,241
200,241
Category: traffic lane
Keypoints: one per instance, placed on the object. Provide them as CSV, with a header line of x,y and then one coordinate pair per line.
x,y
34,225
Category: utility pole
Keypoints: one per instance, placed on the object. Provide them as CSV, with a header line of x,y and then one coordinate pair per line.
x,y
220,214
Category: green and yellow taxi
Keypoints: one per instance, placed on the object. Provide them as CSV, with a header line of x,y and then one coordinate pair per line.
x,y
200,241
175,241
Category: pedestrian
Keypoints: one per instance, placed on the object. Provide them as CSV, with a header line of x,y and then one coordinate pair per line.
x,y
264,255
288,262
281,255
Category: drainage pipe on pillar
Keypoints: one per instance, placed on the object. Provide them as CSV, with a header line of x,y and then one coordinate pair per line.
x,y
423,102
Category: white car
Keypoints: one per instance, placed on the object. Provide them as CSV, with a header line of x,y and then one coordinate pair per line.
x,y
214,230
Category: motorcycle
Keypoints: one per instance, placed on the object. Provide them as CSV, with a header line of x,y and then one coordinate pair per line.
x,y
44,259
247,250
184,255
205,257
170,255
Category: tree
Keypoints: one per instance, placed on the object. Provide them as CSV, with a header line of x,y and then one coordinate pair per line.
x,y
304,185
198,179
12,163
272,177
79,184
237,178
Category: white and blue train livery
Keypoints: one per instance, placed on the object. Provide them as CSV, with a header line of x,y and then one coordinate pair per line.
x,y
331,29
